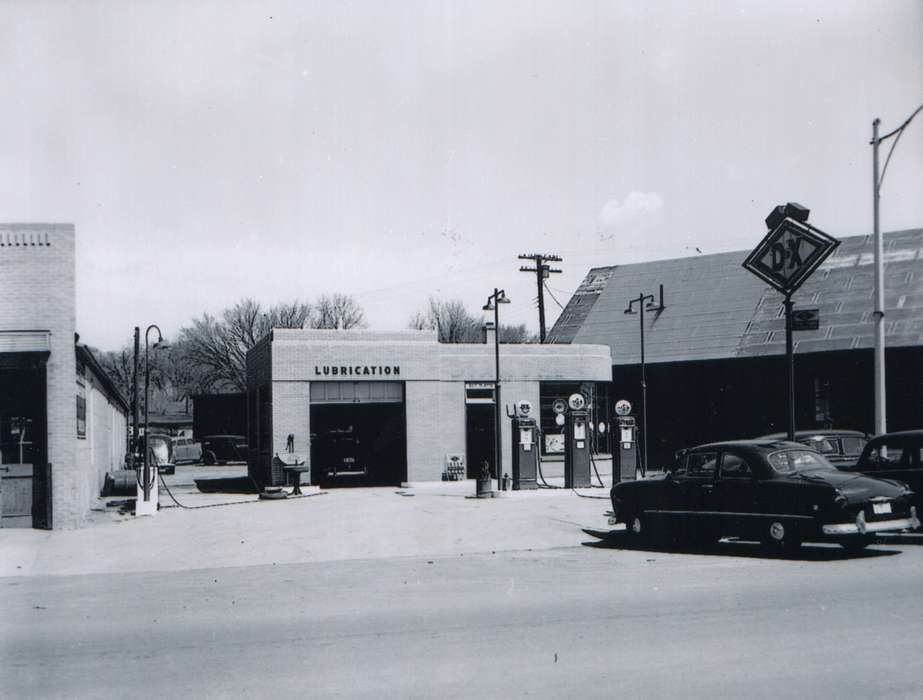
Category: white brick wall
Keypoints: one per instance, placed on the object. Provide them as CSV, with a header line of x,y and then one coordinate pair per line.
x,y
435,426
37,288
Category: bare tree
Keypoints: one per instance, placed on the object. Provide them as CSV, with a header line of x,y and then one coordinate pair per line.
x,y
119,365
212,352
454,324
340,311
450,320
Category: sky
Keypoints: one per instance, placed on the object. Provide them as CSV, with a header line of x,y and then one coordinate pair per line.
x,y
209,151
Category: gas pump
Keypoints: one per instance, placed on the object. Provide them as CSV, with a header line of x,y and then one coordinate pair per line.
x,y
525,447
576,443
626,451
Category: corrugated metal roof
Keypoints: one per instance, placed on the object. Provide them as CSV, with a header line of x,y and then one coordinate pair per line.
x,y
716,309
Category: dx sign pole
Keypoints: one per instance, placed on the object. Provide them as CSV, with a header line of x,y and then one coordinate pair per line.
x,y
784,259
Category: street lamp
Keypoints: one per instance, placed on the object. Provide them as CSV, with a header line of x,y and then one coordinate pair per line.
x,y
493,304
657,308
147,383
880,389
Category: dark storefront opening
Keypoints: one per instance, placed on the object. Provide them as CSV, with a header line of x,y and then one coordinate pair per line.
x,y
600,405
25,488
358,434
480,446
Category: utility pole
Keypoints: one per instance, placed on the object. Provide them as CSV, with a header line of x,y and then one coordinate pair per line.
x,y
135,406
881,415
542,272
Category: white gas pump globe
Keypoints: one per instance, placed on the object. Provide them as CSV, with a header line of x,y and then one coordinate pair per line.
x,y
559,419
622,407
523,407
576,402
559,406
601,428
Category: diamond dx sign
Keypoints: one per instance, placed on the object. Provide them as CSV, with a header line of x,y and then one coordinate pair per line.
x,y
789,253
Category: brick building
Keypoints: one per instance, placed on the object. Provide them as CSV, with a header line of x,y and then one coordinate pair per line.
x,y
379,408
63,424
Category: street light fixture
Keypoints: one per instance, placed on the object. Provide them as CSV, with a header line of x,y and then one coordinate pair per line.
x,y
656,308
880,389
493,304
147,382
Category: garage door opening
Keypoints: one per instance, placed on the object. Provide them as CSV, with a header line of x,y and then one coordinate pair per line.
x,y
358,434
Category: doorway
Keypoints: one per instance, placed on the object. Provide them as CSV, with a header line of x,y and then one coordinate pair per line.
x,y
479,438
25,479
358,434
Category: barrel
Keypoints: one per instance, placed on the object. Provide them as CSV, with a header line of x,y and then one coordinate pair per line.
x,y
121,482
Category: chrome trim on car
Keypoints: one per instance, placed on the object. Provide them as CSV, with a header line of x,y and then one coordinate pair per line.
x,y
727,512
880,526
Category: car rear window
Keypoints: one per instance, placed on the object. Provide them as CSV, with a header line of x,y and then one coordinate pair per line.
x,y
793,461
887,455
853,445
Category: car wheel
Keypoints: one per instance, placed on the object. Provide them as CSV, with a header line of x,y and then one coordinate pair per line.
x,y
637,526
209,457
781,538
856,544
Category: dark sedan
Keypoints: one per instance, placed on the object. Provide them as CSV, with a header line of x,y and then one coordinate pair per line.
x,y
841,447
221,449
778,492
896,456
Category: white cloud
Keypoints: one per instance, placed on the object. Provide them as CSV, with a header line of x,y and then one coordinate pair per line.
x,y
637,209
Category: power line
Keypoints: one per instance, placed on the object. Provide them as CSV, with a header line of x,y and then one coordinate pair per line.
x,y
554,297
542,272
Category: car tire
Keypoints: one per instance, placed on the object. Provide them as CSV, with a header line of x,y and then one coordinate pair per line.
x,y
857,544
637,526
209,458
781,538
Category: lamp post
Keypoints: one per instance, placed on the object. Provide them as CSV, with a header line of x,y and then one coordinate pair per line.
x,y
147,383
657,308
881,419
493,304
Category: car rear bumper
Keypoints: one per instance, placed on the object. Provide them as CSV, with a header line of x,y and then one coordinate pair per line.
x,y
861,527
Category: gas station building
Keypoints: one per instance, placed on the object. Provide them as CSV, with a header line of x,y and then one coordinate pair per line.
x,y
387,408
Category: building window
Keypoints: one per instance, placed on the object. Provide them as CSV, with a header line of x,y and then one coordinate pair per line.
x,y
265,419
81,416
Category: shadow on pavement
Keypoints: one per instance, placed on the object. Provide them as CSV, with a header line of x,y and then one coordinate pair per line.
x,y
606,539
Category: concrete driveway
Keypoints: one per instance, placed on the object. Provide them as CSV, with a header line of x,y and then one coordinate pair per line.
x,y
425,519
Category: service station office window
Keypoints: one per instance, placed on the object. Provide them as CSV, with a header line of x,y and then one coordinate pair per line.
x,y
81,400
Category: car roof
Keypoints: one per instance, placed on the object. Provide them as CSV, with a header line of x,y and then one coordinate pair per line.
x,y
212,437
899,434
762,444
814,433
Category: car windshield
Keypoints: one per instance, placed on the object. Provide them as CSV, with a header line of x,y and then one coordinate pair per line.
x,y
797,461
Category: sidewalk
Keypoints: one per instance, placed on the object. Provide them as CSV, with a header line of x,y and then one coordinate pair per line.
x,y
424,519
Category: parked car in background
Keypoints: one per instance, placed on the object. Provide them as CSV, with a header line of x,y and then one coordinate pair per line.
x,y
186,450
841,447
778,492
221,449
896,456
161,452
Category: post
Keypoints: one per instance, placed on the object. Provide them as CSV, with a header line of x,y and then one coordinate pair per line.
x,y
147,434
135,404
497,451
643,396
790,366
879,314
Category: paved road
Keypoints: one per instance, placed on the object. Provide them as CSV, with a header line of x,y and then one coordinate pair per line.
x,y
598,620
